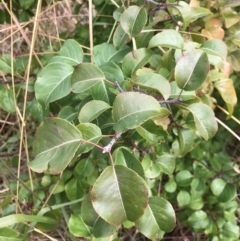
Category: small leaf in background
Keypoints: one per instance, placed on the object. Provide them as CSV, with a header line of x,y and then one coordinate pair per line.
x,y
53,83
99,92
119,37
143,39
191,70
184,178
159,215
112,191
92,110
112,72
4,65
70,53
166,162
123,156
135,60
226,89
77,227
199,220
7,100
230,17
74,189
156,82
204,120
56,143
142,108
215,47
186,140
8,234
90,132
104,53
26,4
67,113
183,198
199,12
167,38
85,76
84,168
230,231
233,59
133,20
100,227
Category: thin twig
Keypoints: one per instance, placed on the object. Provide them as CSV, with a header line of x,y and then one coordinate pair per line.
x,y
177,100
107,149
119,87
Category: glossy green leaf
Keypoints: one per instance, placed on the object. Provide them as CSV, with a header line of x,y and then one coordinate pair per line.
x,y
199,12
226,89
56,143
77,227
230,231
8,234
159,215
100,227
184,178
92,110
156,82
170,186
215,47
217,186
85,76
105,52
183,198
119,37
198,220
168,38
135,60
74,189
133,20
123,156
186,140
53,83
191,70
67,113
112,72
90,132
166,162
7,100
142,108
229,193
112,191
70,53
204,120
153,171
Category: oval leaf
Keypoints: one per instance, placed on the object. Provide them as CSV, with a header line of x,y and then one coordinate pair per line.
x,y
7,99
112,191
77,227
166,163
53,83
119,37
142,108
191,70
56,143
133,20
85,76
92,110
186,140
167,38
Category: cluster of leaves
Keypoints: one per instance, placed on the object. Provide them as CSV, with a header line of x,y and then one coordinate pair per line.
x,y
130,139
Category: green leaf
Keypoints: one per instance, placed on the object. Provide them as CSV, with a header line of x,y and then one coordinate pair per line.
x,y
85,76
143,39
231,231
229,193
92,110
183,198
169,38
8,234
67,113
198,220
156,82
142,108
159,215
77,227
84,168
119,37
74,189
233,59
231,3
135,60
170,186
166,163
21,218
184,178
215,47
191,70
53,82
112,191
217,186
70,53
133,20
186,140
4,66
90,132
226,89
7,100
100,227
56,143
26,4
199,12
99,92
105,52
204,120
112,72
122,156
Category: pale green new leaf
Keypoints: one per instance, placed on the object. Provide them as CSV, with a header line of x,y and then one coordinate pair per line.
x,y
113,197
7,99
186,140
55,145
53,83
77,226
166,162
128,116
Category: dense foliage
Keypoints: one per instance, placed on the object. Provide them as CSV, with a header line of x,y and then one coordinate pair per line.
x,y
127,118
